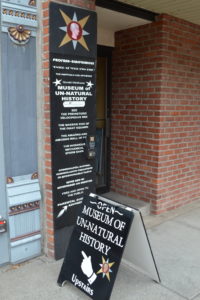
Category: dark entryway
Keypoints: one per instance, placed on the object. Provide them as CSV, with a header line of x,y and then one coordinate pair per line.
x,y
103,104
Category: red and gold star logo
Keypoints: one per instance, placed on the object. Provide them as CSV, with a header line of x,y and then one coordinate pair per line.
x,y
74,30
105,268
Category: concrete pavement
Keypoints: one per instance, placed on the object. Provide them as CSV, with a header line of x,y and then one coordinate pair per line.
x,y
175,240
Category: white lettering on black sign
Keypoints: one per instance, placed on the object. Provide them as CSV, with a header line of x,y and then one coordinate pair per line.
x,y
96,247
72,112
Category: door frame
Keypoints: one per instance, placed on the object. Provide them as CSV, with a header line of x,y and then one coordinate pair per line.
x,y
105,51
4,239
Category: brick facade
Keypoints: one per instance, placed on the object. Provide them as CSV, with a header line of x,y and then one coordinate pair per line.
x,y
48,204
156,113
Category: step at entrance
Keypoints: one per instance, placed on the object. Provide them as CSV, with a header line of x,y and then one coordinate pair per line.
x,y
144,207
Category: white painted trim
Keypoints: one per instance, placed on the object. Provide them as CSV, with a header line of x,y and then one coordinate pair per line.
x,y
4,241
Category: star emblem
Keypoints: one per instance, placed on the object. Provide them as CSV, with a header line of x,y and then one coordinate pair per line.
x,y
89,84
105,268
57,82
74,30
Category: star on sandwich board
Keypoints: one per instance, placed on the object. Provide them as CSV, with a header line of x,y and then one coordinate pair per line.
x,y
74,30
57,82
105,268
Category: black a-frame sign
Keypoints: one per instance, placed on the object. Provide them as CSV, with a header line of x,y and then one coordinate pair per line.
x,y
105,232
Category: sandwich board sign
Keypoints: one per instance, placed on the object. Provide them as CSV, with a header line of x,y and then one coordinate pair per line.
x,y
97,246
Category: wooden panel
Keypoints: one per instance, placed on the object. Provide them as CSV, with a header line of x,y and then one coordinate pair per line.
x,y
24,217
25,223
17,189
25,249
19,106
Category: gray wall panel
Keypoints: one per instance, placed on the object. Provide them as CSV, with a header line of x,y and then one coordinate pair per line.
x,y
19,106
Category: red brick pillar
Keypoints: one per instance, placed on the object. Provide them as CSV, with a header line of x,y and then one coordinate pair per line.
x,y
47,193
155,113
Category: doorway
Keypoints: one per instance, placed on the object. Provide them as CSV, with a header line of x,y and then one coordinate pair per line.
x,y
103,105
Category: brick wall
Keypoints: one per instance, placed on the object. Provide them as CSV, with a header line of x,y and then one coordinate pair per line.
x,y
156,113
48,204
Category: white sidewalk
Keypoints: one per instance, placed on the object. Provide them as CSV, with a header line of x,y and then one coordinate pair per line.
x,y
175,240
